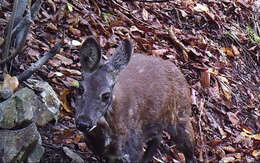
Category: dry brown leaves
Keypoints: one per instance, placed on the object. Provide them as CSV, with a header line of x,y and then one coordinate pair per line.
x,y
207,40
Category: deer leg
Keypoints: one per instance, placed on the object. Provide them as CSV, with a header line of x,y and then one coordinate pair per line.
x,y
152,146
153,137
182,135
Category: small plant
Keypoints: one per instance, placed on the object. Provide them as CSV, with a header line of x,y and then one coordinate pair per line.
x,y
254,37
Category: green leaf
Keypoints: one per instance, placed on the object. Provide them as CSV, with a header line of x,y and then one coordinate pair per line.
x,y
107,17
69,6
76,83
254,37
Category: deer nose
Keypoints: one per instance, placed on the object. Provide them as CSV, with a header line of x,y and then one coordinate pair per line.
x,y
82,126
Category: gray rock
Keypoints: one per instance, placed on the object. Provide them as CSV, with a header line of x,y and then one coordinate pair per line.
x,y
17,110
25,106
75,157
5,93
19,138
22,145
48,97
36,154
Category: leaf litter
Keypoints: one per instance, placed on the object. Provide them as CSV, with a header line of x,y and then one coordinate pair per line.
x,y
214,43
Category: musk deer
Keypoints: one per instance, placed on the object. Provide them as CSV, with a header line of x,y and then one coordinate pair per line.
x,y
126,102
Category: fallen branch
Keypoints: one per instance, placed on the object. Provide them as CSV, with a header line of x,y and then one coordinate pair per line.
x,y
9,30
28,73
20,31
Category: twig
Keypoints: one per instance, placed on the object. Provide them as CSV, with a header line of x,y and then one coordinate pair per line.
x,y
120,6
1,3
9,30
176,41
20,11
22,35
35,8
24,22
27,73
21,30
13,54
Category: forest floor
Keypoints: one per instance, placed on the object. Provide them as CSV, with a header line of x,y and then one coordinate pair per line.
x,y
215,43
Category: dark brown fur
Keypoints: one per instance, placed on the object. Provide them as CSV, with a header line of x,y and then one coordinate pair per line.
x,y
150,95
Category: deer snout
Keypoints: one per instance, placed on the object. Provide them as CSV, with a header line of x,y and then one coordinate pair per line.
x,y
83,126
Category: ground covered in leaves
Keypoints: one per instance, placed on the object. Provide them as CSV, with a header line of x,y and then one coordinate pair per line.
x,y
215,43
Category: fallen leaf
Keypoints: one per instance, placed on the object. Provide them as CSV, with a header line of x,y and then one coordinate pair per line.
x,y
213,71
68,141
247,130
227,159
220,152
69,71
229,149
66,61
238,155
145,14
233,118
256,136
55,74
51,26
235,50
35,55
79,138
201,8
135,29
244,134
183,13
222,132
205,78
214,90
159,52
10,82
225,87
64,100
75,31
228,51
67,133
54,62
75,43
256,153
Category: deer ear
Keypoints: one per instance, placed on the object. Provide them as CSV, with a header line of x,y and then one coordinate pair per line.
x,y
121,57
90,54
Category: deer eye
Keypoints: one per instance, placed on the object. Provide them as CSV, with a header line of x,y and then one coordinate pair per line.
x,y
105,97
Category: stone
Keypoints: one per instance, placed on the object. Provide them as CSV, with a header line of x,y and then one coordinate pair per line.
x,y
20,144
5,93
17,111
74,157
49,99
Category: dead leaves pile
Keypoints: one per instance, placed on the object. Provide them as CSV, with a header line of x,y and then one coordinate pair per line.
x,y
214,43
